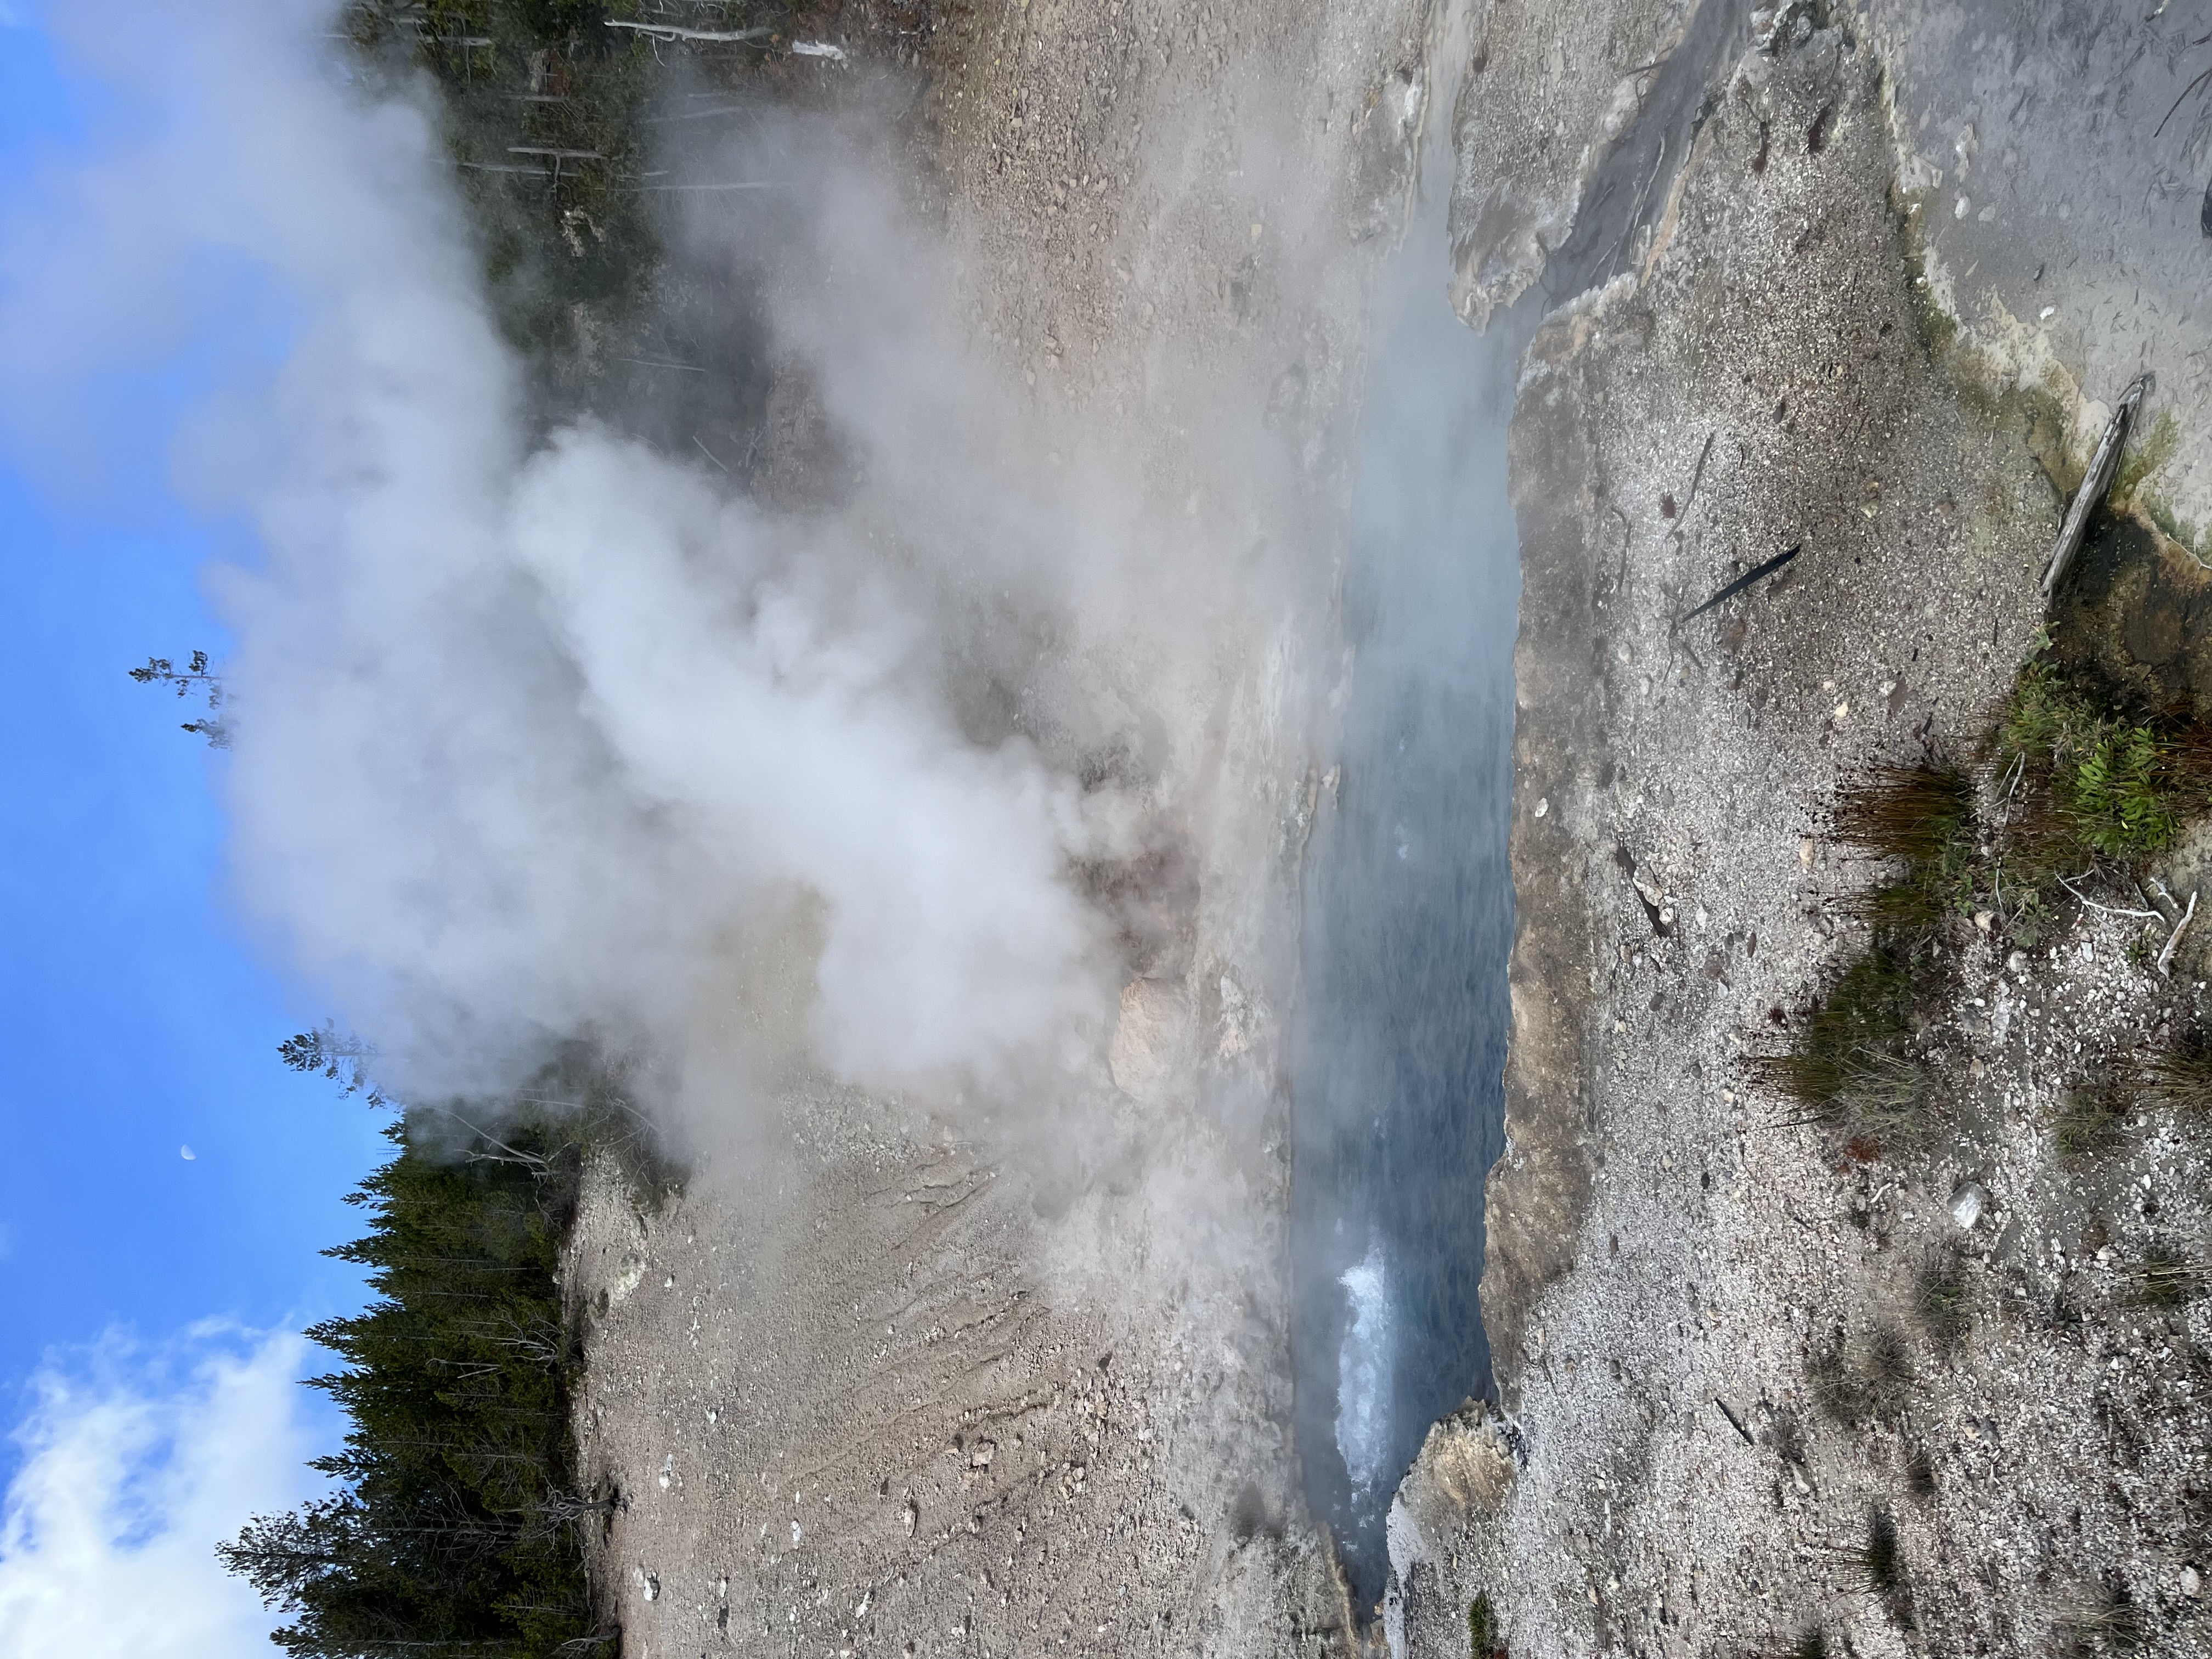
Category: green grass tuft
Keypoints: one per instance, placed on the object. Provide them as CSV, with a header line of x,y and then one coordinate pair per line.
x,y
2180,1077
1940,1298
2105,1619
1853,1387
2095,782
1851,1069
1879,1565
1920,1470
2092,1118
2163,1278
1917,813
1482,1628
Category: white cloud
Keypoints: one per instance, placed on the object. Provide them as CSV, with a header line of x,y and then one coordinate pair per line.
x,y
136,1463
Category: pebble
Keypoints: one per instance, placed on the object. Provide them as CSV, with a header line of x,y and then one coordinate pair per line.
x,y
2192,1582
1966,1202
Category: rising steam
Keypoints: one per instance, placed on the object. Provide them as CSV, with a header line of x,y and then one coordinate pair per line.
x,y
529,733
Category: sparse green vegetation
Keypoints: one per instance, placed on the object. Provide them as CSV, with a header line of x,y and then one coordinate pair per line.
x,y
1481,1631
2180,1077
2105,1619
1879,1563
1922,817
1853,1387
1923,814
2164,1278
1940,1299
2095,784
2092,1118
1852,1068
1919,1470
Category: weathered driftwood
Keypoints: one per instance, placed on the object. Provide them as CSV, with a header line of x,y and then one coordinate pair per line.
x,y
2103,465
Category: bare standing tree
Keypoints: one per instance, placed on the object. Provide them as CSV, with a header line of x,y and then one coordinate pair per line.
x,y
197,675
338,1057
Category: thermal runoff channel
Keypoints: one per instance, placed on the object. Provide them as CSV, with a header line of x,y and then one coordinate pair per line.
x,y
1409,906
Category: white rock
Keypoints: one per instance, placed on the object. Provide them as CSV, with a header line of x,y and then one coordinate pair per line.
x,y
2192,1582
1150,1053
1966,1202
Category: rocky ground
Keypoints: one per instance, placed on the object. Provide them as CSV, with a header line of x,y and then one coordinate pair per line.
x,y
1680,1266
876,1379
880,1378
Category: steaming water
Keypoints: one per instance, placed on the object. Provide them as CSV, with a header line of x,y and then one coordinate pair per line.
x,y
1409,905
1364,1360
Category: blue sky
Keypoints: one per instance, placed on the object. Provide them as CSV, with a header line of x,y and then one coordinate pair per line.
x,y
133,1018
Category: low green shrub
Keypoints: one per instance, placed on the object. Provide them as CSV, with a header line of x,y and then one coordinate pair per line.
x,y
2091,780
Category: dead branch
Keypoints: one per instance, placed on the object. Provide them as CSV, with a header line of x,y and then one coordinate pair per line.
x,y
2174,938
677,32
2109,909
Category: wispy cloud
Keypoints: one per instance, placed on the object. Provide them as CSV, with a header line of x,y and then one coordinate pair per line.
x,y
137,1461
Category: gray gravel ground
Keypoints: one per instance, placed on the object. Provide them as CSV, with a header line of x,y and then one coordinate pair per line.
x,y
1670,1253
